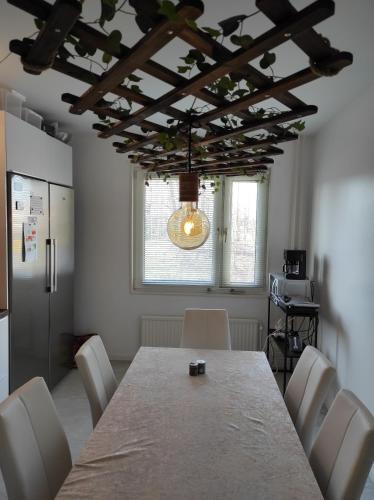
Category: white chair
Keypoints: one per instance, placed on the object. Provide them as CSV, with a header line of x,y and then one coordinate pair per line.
x,y
306,392
34,453
206,329
343,452
97,374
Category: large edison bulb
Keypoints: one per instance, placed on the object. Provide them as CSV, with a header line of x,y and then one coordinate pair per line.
x,y
188,227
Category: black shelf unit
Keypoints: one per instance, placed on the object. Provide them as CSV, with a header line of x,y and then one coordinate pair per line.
x,y
281,343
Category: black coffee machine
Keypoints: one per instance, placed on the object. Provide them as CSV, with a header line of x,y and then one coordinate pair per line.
x,y
294,266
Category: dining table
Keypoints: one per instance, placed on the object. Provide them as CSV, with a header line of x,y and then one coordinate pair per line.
x,y
166,435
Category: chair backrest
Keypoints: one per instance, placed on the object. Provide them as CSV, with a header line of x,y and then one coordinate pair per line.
x,y
206,329
306,392
343,452
97,375
34,453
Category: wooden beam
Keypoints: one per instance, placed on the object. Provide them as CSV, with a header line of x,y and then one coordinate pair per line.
x,y
263,123
95,39
238,170
274,90
42,53
183,160
309,41
213,49
251,143
314,13
117,115
270,151
151,43
211,165
228,134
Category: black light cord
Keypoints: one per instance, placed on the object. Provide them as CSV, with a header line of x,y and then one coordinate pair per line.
x,y
189,146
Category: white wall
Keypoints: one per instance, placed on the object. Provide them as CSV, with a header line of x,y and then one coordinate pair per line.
x,y
341,158
103,299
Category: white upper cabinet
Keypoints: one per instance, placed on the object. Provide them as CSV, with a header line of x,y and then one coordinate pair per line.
x,y
32,152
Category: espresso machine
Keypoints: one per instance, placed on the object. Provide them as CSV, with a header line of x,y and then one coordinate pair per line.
x,y
294,267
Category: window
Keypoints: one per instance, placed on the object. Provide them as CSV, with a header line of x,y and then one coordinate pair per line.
x,y
234,255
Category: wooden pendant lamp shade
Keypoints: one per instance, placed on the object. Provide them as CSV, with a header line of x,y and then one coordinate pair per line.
x,y
228,150
189,186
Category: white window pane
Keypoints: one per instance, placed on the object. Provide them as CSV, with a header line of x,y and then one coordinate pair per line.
x,y
163,261
242,232
245,223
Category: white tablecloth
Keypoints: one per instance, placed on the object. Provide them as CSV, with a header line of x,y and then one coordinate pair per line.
x,y
168,436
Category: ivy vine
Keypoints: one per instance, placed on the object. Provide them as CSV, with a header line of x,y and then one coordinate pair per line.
x,y
232,86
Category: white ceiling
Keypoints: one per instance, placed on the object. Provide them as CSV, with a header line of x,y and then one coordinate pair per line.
x,y
350,29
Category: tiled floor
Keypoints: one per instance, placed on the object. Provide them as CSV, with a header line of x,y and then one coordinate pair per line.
x,y
73,409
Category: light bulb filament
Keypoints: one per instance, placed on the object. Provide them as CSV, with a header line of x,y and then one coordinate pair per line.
x,y
188,227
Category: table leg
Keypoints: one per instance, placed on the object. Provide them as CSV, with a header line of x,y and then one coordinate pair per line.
x,y
316,331
268,338
285,355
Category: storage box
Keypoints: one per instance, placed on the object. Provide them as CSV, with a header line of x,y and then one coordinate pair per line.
x,y
32,118
63,136
12,102
51,128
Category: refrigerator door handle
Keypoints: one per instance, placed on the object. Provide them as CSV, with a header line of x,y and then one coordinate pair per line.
x,y
54,265
49,265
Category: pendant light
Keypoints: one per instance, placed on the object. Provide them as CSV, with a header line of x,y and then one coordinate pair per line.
x,y
188,227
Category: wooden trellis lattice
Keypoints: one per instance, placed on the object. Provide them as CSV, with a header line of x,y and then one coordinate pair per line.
x,y
248,155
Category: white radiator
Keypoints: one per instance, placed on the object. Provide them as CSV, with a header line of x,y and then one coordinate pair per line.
x,y
166,331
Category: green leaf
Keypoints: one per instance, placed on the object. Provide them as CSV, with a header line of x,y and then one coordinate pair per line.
x,y
226,83
183,69
80,50
231,24
240,93
244,41
63,53
106,58
192,24
90,50
136,88
71,39
299,126
212,32
267,60
203,66
39,23
196,55
250,85
125,113
188,60
169,121
108,10
113,42
168,9
134,78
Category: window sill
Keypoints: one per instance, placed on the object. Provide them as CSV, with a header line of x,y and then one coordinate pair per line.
x,y
191,290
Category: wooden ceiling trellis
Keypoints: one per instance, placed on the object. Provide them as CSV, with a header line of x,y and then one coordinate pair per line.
x,y
228,150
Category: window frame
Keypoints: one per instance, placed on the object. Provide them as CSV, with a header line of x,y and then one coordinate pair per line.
x,y
137,247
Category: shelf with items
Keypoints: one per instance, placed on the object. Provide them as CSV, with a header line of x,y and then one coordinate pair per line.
x,y
308,336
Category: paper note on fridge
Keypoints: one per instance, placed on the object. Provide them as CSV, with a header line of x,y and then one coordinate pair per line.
x,y
30,241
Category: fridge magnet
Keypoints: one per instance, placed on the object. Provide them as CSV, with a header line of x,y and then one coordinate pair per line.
x,y
30,240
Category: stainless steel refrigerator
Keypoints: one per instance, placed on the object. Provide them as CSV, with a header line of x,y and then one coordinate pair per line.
x,y
41,266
